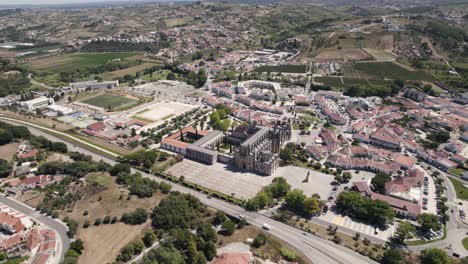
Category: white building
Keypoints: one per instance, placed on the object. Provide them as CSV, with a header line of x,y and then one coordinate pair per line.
x,y
37,103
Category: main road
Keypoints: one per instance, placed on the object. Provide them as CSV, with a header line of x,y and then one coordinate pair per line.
x,y
316,249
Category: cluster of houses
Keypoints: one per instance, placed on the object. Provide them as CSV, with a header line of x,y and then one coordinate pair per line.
x,y
22,237
374,137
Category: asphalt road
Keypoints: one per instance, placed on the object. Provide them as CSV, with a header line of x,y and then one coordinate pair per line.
x,y
316,249
59,227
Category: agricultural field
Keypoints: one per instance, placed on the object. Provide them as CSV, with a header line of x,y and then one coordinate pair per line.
x,y
342,55
341,83
380,55
121,73
72,62
283,68
389,70
107,100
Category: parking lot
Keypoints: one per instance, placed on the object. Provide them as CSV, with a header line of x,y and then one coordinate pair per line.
x,y
244,184
428,201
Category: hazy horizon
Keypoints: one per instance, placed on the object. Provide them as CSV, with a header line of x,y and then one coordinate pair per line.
x,y
61,2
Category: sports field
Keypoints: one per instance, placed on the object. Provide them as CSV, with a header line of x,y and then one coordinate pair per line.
x,y
107,100
72,62
163,110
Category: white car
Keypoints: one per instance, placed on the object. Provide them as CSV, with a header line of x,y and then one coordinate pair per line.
x,y
242,217
266,227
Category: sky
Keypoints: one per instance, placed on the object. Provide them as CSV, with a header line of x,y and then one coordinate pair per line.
x,y
37,2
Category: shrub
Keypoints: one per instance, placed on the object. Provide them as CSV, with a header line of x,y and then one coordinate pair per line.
x,y
288,254
259,241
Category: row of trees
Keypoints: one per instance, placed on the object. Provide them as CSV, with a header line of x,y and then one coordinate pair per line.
x,y
119,46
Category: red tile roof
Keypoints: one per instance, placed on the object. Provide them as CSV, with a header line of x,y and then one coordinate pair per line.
x,y
232,258
98,126
11,221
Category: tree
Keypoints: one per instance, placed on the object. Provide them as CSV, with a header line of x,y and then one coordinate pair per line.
x,y
149,238
200,258
220,217
138,247
404,231
295,200
201,78
228,228
378,182
259,241
176,210
120,168
434,256
77,246
210,250
392,256
286,154
428,222
165,187
192,78
362,208
169,254
312,206
207,232
126,253
136,217
107,219
5,168
279,187
171,76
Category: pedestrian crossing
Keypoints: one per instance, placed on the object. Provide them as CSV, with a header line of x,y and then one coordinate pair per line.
x,y
344,221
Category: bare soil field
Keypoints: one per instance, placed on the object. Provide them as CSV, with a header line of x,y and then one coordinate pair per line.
x,y
355,55
103,243
380,54
271,250
8,151
31,198
435,54
109,202
340,55
329,55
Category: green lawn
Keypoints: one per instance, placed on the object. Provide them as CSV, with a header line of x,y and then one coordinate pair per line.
x,y
107,100
390,70
457,171
462,191
465,243
98,179
72,62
